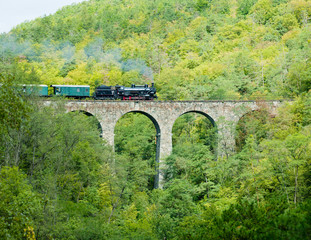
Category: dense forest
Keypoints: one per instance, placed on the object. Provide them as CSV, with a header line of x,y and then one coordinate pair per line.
x,y
60,180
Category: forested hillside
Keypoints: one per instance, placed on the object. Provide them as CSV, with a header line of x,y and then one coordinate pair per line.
x,y
204,49
60,180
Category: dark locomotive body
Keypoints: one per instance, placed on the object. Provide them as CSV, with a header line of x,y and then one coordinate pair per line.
x,y
135,92
104,92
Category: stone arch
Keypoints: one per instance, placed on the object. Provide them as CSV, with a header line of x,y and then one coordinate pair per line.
x,y
213,122
154,121
158,137
202,113
99,126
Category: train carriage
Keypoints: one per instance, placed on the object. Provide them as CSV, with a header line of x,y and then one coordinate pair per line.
x,y
32,89
75,91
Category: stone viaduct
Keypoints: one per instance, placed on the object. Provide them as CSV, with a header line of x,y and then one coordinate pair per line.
x,y
223,114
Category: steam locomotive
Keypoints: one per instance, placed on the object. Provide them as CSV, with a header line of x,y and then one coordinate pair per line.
x,y
135,92
103,92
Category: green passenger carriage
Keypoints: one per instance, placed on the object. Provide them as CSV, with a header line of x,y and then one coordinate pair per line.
x,y
75,91
37,90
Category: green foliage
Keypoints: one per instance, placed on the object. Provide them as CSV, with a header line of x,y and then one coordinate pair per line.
x,y
13,107
194,128
252,125
262,11
244,6
177,201
202,4
194,146
136,143
18,205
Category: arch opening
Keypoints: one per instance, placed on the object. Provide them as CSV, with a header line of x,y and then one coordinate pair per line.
x,y
93,119
196,126
137,144
194,151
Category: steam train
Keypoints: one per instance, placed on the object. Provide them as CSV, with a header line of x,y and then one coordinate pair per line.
x,y
103,92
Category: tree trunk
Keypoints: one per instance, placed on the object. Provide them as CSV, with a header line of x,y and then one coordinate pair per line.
x,y
296,185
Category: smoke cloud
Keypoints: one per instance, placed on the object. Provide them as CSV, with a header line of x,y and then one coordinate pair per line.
x,y
12,47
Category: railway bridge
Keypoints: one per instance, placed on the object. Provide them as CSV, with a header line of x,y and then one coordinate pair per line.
x,y
223,114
